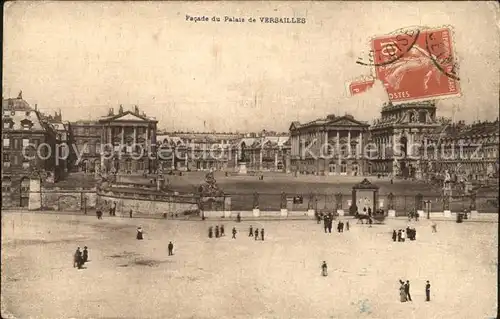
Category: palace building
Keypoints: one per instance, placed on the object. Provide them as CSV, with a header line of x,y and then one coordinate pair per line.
x,y
264,151
124,143
196,150
28,145
330,146
398,135
468,152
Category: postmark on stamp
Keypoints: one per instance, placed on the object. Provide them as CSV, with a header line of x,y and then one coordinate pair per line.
x,y
417,65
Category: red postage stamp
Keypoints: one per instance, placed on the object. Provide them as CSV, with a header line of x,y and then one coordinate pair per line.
x,y
361,86
420,67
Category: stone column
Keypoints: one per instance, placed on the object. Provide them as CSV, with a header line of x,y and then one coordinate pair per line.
x,y
276,160
123,137
135,135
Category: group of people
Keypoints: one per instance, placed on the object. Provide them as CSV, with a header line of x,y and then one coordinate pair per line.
x,y
328,223
80,258
402,234
404,291
219,231
255,233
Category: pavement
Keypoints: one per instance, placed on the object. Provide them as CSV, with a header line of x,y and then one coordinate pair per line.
x,y
485,217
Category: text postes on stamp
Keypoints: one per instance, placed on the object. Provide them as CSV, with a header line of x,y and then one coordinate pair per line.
x,y
426,70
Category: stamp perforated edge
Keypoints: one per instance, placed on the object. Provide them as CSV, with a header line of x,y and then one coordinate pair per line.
x,y
359,79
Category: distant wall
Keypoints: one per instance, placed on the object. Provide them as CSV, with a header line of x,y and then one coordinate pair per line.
x,y
64,200
149,205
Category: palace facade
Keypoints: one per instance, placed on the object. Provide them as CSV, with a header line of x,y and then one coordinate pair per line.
x,y
468,152
124,143
397,137
264,151
330,146
28,149
189,151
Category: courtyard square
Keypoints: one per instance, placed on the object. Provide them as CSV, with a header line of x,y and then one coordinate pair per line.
x,y
243,278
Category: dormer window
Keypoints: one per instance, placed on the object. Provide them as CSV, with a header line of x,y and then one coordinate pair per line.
x,y
26,124
8,123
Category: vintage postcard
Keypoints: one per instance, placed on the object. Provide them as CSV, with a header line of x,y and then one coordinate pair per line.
x,y
244,159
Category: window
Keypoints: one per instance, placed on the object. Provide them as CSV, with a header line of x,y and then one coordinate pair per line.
x,y
26,164
26,142
6,124
15,160
6,142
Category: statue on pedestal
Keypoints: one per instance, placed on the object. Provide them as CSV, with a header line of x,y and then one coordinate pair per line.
x,y
283,200
390,201
255,200
472,205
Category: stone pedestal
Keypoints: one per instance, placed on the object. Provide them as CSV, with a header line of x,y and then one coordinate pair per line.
x,y
447,213
474,214
242,168
256,212
289,203
420,213
392,213
284,212
310,212
340,212
227,214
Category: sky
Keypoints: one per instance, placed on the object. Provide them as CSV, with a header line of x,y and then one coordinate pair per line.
x,y
87,57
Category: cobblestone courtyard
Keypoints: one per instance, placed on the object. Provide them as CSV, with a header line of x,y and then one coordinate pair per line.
x,y
243,278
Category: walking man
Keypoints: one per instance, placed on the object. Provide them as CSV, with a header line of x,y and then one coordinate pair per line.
x,y
85,256
221,230
238,218
250,233
434,227
77,257
217,231
262,234
130,213
324,269
428,291
170,249
256,234
407,290
234,233
347,225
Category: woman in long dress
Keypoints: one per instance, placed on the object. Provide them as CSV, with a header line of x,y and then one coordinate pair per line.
x,y
139,233
402,293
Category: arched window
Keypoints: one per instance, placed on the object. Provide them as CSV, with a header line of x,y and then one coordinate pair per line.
x,y
343,167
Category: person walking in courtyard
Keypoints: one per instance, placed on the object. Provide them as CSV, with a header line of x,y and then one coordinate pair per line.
x,y
427,291
394,235
238,218
256,234
325,223
217,231
85,255
139,233
262,234
403,235
402,293
407,290
130,213
234,233
324,269
250,232
77,257
347,225
399,235
222,230
210,232
170,249
434,227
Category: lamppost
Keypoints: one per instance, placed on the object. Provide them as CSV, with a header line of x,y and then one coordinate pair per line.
x,y
428,204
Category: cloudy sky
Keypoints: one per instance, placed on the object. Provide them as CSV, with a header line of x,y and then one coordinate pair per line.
x,y
84,58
